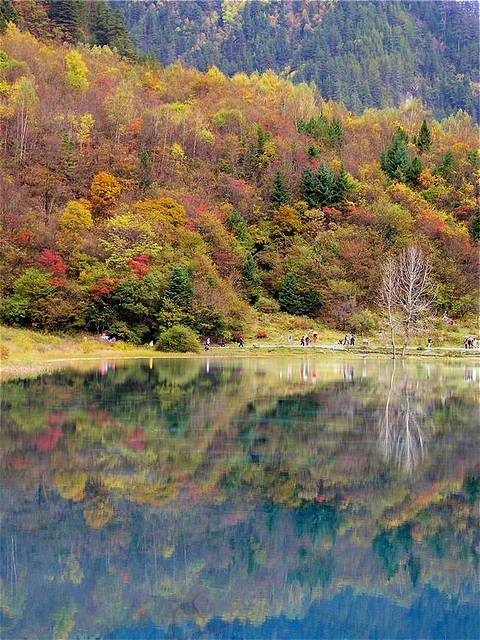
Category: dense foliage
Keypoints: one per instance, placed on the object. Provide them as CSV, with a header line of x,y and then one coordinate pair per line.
x,y
364,54
94,23
135,198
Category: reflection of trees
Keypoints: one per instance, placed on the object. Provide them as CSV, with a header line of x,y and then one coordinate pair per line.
x,y
169,492
402,433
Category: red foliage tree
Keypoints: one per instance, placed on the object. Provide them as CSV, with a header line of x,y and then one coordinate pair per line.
x,y
52,262
138,266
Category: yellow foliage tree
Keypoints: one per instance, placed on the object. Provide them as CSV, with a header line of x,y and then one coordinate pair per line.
x,y
163,210
76,71
74,221
120,108
82,127
127,236
287,220
76,216
104,192
178,154
24,102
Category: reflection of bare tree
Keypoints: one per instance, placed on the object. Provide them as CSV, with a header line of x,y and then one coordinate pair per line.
x,y
401,425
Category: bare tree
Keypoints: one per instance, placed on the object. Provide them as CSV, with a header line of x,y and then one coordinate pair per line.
x,y
387,299
406,294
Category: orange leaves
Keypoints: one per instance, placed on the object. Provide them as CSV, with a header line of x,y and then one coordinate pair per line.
x,y
153,83
24,236
135,126
104,190
430,223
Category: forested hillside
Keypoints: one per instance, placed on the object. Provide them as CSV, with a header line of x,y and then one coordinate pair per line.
x,y
135,197
364,54
93,23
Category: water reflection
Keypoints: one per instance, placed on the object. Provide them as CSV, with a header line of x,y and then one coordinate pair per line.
x,y
402,425
250,498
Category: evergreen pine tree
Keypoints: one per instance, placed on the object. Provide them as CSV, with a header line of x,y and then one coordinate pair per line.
x,y
107,27
394,158
237,224
289,298
334,135
251,278
401,135
340,187
280,194
7,14
65,14
308,188
447,168
179,287
312,152
475,227
325,185
423,141
413,169
297,297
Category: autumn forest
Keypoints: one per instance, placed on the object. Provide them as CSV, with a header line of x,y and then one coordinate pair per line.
x,y
136,197
172,173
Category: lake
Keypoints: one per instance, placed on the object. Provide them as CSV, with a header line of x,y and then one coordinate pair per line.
x,y
295,498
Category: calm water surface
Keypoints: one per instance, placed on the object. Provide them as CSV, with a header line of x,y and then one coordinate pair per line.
x,y
249,498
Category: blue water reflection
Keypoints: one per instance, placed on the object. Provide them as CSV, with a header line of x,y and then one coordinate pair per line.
x,y
250,498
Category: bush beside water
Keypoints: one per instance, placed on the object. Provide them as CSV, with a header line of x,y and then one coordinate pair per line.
x,y
178,339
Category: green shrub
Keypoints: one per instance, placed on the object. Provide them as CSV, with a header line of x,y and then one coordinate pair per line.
x,y
362,322
14,310
267,305
136,333
178,339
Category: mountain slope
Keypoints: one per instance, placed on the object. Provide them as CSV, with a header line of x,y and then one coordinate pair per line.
x,y
365,54
135,197
93,23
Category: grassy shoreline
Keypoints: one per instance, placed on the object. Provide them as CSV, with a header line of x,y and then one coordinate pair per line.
x,y
25,353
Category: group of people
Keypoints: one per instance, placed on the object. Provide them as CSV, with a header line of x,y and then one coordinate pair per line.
x,y
107,338
306,339
221,342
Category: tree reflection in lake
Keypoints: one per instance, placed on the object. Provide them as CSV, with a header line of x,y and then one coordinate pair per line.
x,y
250,498
402,423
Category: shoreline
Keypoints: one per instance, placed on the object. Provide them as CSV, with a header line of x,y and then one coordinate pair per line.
x,y
21,368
